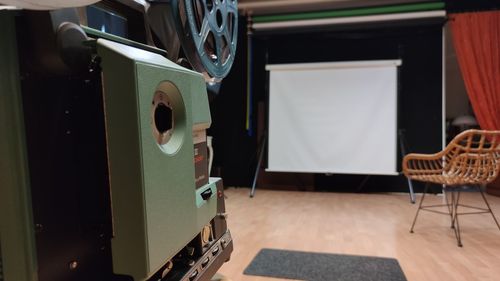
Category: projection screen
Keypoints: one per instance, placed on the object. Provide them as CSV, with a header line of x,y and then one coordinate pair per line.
x,y
333,117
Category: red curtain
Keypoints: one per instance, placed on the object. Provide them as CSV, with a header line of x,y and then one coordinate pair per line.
x,y
476,37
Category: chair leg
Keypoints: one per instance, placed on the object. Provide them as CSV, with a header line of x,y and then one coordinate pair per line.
x,y
419,207
454,223
488,205
449,205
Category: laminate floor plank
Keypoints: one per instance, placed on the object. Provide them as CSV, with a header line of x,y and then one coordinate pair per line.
x,y
363,224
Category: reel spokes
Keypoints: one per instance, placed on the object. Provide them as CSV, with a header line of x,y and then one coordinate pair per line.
x,y
208,34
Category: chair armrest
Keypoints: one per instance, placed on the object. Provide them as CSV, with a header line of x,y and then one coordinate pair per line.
x,y
415,164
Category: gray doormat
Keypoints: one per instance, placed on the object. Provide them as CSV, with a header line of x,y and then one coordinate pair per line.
x,y
323,267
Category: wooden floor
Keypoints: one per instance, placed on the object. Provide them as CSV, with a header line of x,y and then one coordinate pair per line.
x,y
363,224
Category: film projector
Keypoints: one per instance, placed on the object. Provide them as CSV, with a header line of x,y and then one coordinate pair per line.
x,y
104,160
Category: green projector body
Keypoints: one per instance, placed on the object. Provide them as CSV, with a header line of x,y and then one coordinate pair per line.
x,y
157,207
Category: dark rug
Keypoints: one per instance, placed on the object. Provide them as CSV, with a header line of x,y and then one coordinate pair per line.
x,y
323,267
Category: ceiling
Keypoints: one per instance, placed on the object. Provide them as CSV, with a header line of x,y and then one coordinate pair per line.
x,y
261,7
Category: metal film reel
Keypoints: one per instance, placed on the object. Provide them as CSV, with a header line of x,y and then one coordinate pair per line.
x,y
208,31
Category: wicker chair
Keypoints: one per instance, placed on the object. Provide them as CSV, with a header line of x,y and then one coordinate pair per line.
x,y
472,158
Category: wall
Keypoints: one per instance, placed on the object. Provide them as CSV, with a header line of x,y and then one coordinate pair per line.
x,y
457,101
420,47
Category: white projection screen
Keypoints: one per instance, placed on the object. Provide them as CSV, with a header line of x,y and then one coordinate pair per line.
x,y
333,117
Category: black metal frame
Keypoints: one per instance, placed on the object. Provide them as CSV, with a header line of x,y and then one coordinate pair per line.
x,y
403,146
453,209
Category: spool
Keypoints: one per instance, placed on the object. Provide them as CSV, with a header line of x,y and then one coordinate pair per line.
x,y
208,32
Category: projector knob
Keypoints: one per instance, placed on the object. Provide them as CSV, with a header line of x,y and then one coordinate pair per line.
x,y
206,194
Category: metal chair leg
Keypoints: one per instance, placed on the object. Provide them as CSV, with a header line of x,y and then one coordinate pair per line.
x,y
419,207
448,204
455,224
488,205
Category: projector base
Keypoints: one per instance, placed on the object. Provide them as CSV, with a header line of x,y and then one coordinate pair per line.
x,y
205,267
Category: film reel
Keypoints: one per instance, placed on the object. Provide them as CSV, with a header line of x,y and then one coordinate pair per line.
x,y
208,31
